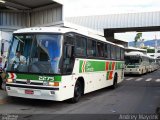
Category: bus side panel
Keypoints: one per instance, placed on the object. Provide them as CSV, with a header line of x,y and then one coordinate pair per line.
x,y
95,79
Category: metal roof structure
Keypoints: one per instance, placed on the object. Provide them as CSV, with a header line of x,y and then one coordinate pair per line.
x,y
117,23
25,4
16,14
145,21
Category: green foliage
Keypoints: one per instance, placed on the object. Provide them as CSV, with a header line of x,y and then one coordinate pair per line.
x,y
137,38
144,47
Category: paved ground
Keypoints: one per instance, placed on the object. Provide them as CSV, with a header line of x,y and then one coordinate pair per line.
x,y
135,95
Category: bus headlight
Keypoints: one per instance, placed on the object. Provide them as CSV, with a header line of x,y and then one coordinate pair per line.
x,y
53,83
9,80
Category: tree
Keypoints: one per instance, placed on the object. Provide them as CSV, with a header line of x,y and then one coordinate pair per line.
x,y
137,38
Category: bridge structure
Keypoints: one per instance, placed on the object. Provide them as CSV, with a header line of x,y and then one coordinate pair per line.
x,y
119,23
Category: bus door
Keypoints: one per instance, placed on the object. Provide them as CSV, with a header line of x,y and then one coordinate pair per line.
x,y
68,53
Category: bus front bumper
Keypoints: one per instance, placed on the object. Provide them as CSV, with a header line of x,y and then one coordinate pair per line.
x,y
132,71
33,92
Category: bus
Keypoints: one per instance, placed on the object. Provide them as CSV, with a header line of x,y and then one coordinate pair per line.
x,y
136,63
57,63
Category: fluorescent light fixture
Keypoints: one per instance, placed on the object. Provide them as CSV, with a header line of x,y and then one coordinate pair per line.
x,y
2,1
12,8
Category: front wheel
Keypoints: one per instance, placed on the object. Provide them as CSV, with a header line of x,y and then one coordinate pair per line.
x,y
77,92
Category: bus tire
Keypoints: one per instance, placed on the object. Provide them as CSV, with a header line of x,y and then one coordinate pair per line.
x,y
78,90
115,84
142,72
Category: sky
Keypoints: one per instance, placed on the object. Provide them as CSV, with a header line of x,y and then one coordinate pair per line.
x,y
75,8
101,7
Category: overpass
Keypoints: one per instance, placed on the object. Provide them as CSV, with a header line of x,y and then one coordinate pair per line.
x,y
118,23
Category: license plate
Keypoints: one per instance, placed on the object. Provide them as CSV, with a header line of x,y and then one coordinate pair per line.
x,y
29,92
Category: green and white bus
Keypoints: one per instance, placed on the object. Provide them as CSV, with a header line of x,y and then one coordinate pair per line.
x,y
136,63
61,63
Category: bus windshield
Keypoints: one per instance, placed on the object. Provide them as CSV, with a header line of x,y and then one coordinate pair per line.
x,y
132,60
35,53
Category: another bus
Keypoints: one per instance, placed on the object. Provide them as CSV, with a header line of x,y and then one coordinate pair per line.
x,y
136,63
61,63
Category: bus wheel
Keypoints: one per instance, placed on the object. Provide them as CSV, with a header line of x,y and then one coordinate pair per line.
x,y
115,84
142,72
77,92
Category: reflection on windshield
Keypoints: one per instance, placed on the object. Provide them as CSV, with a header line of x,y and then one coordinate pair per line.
x,y
35,53
132,60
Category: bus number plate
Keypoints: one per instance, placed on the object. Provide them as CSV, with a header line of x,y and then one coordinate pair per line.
x,y
29,92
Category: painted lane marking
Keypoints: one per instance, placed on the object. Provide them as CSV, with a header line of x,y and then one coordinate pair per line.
x,y
139,79
129,79
158,80
149,79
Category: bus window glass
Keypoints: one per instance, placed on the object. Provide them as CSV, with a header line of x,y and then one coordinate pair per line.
x,y
19,53
118,53
91,48
113,54
35,54
122,54
106,51
109,51
100,49
46,56
80,46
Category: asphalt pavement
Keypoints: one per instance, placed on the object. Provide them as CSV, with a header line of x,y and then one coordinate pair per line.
x,y
137,95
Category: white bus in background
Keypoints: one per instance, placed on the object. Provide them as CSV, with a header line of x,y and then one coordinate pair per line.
x,y
153,65
136,63
62,63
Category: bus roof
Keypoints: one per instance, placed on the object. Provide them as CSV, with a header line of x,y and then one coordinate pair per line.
x,y
134,53
63,30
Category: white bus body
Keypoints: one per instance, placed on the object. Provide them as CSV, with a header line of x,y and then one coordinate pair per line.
x,y
136,63
80,71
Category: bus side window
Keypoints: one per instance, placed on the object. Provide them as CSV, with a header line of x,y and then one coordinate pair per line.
x,y
105,51
118,52
122,54
100,49
91,48
80,46
113,52
109,51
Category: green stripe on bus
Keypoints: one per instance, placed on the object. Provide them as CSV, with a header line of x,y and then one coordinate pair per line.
x,y
38,77
91,66
95,66
119,65
110,66
107,76
80,66
26,76
57,78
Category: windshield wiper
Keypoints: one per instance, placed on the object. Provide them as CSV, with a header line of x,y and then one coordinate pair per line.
x,y
19,39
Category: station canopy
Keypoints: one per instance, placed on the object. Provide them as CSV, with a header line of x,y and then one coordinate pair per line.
x,y
25,4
